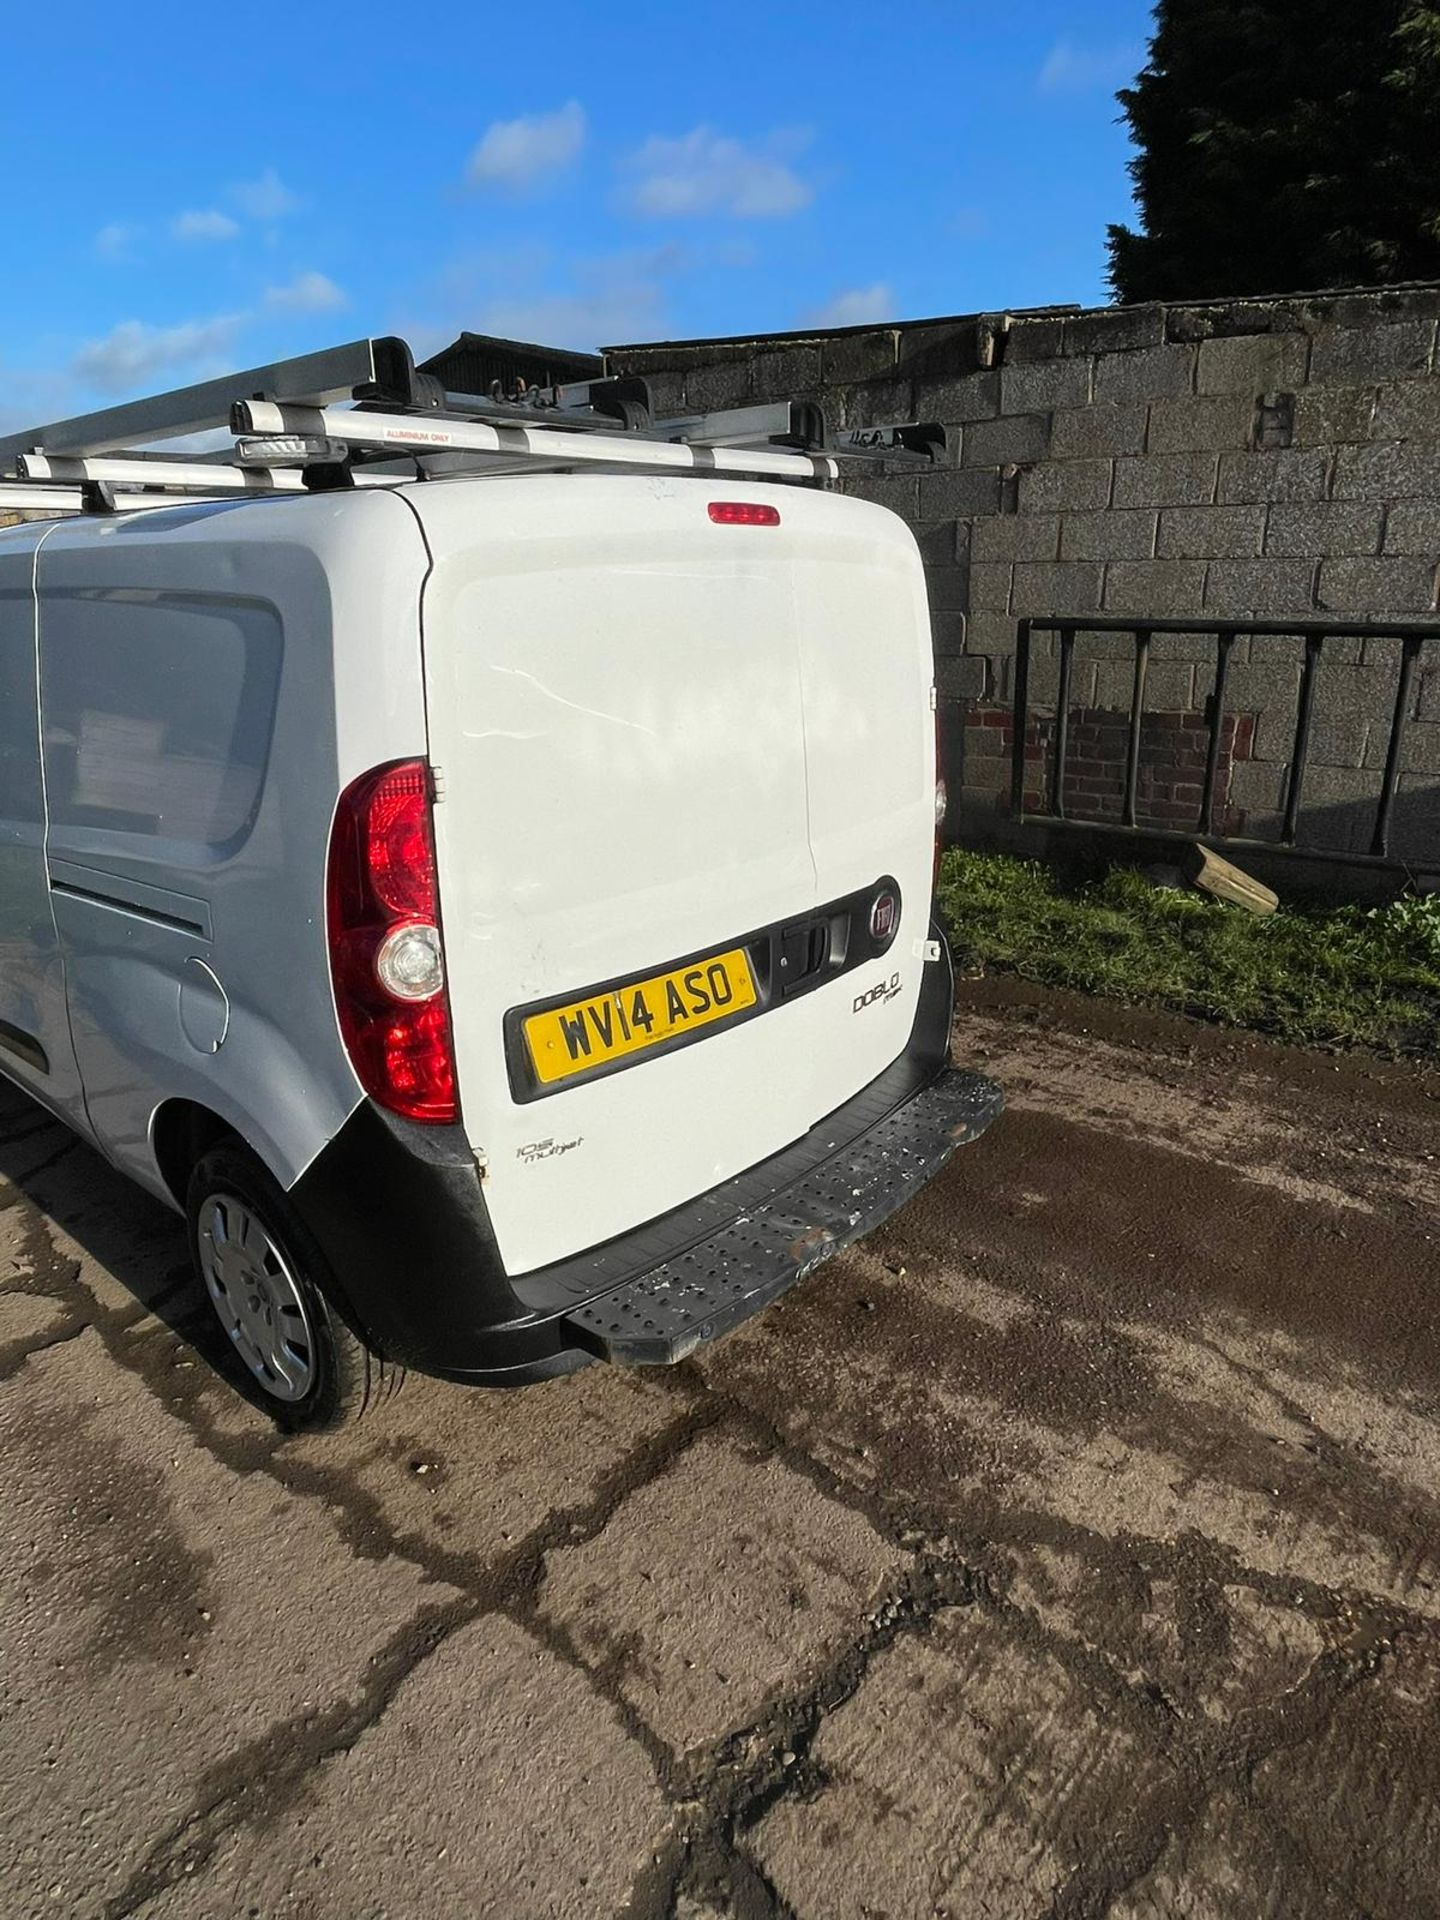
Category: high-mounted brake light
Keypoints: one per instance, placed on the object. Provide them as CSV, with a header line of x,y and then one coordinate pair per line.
x,y
386,957
743,513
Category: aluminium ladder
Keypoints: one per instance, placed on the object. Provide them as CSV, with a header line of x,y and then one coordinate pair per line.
x,y
362,414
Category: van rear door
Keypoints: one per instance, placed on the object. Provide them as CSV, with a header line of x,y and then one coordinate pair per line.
x,y
651,744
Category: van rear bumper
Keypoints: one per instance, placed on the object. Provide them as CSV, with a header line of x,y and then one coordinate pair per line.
x,y
400,1212
704,1292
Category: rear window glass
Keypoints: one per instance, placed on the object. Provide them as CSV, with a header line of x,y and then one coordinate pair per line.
x,y
158,710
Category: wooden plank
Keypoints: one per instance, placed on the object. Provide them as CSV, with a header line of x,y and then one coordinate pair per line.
x,y
1206,870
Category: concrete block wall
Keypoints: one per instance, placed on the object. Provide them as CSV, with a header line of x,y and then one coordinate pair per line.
x,y
1257,458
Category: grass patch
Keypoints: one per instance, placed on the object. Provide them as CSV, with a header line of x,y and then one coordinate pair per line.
x,y
1343,977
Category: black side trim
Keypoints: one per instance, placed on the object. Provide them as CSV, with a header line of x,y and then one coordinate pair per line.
x,y
119,905
399,1210
24,1046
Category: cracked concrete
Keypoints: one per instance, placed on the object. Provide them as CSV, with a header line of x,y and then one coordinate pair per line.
x,y
479,1791
159,1620
1068,1549
701,1628
1021,1769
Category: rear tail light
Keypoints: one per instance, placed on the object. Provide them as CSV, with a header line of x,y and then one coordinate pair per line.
x,y
386,955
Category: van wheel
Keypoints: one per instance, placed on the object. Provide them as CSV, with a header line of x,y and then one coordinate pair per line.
x,y
266,1279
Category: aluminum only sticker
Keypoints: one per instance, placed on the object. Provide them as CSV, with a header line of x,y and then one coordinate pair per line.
x,y
882,991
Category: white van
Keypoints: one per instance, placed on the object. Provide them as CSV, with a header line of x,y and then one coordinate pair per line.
x,y
495,909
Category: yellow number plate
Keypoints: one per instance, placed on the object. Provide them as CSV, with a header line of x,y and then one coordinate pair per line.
x,y
608,1026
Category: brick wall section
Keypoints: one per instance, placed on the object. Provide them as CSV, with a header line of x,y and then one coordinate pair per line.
x,y
1174,748
1259,458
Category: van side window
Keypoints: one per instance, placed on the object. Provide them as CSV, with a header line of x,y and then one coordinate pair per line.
x,y
158,710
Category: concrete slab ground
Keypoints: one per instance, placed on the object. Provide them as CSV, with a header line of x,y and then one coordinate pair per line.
x,y
170,1634
1014,1777
705,1626
479,1791
1071,1548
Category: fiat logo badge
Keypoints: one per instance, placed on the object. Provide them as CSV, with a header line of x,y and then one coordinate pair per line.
x,y
884,918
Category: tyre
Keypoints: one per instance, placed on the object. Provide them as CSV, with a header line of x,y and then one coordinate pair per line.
x,y
267,1281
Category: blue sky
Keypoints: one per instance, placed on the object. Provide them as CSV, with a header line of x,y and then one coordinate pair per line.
x,y
192,188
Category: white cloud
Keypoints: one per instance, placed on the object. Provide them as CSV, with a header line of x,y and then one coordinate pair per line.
x,y
267,198
135,352
115,241
208,224
708,172
1070,68
856,307
515,154
307,293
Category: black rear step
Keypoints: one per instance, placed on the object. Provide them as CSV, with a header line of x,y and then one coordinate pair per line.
x,y
702,1293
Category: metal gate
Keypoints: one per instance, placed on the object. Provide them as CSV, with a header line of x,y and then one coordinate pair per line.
x,y
1049,802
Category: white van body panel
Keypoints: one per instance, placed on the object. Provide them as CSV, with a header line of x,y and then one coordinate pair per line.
x,y
172,946
653,736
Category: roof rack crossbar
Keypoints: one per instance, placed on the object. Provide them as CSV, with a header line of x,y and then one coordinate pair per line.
x,y
155,483
18,497
386,433
184,475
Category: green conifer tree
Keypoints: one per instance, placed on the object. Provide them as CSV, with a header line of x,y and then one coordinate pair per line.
x,y
1283,145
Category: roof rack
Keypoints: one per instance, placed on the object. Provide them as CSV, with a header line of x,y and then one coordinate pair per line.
x,y
363,414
